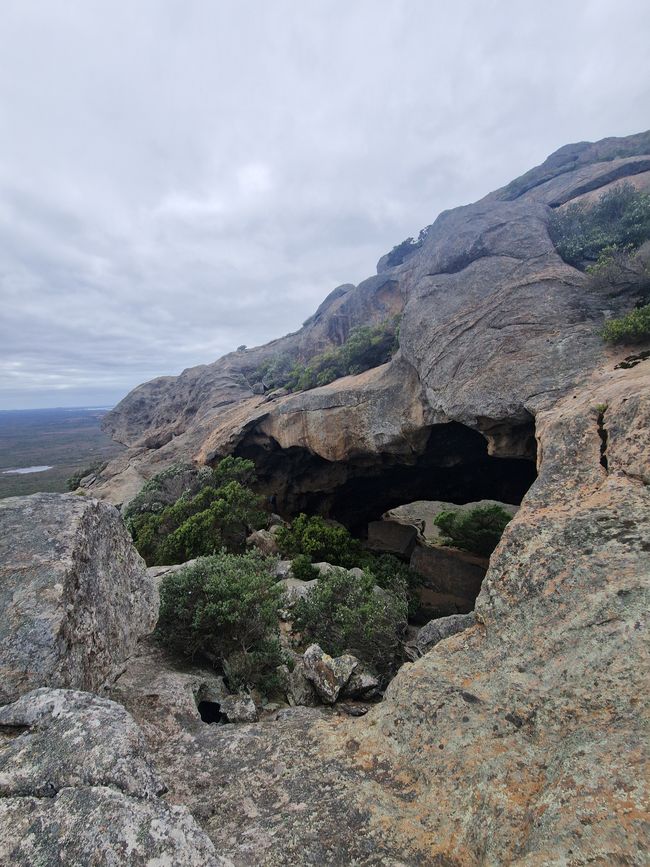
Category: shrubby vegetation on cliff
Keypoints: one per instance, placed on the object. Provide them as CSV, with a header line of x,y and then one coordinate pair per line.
x,y
214,509
618,221
634,327
367,346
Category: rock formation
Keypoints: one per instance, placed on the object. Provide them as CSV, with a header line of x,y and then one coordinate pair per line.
x,y
74,594
521,739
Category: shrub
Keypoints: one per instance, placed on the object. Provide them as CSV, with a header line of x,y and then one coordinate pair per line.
x,y
226,608
401,252
319,540
302,569
73,482
344,613
477,530
395,576
620,219
220,513
634,327
366,346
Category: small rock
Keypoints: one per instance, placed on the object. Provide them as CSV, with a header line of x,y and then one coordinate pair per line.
x,y
238,708
328,674
264,541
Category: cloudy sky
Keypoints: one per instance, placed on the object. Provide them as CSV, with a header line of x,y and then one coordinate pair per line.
x,y
178,177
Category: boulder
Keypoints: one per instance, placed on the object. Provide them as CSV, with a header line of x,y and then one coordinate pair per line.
x,y
238,708
448,572
363,684
328,674
78,787
298,688
294,589
437,630
283,569
264,541
74,593
391,537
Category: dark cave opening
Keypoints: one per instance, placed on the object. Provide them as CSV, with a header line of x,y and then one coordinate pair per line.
x,y
453,466
210,712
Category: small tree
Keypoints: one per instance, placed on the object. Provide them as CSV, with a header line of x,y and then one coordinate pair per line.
x,y
320,541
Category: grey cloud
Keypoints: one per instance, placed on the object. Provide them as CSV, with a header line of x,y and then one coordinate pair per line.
x,y
177,178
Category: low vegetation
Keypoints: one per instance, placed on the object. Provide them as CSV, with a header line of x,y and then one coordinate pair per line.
x,y
401,252
634,327
225,608
366,347
185,513
618,222
349,614
478,530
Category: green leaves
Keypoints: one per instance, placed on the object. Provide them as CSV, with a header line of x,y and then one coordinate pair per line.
x,y
225,607
478,530
632,328
620,219
319,541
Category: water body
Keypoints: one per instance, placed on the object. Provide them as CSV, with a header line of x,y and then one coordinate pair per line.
x,y
21,471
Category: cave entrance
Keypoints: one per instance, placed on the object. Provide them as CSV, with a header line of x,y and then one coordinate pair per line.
x,y
453,466
210,712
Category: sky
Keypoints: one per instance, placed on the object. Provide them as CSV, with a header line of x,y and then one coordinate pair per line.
x,y
179,177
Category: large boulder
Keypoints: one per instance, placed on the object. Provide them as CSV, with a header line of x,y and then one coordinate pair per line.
x,y
391,537
421,514
74,593
329,675
437,630
77,787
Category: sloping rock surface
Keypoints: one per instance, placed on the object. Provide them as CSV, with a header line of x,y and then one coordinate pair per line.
x,y
76,787
74,594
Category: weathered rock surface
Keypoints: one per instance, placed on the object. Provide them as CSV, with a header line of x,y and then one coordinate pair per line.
x,y
451,578
391,537
74,594
76,787
329,675
437,630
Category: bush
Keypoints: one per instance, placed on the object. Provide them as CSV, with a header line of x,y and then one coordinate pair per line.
x,y
73,482
631,328
302,569
620,219
219,513
477,530
401,252
395,576
319,541
226,608
344,613
366,346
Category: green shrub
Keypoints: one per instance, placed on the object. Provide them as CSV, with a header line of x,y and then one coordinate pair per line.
x,y
620,219
477,530
219,513
73,482
319,541
225,608
634,327
344,613
366,346
302,568
392,574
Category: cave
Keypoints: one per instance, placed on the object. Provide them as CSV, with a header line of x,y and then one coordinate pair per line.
x,y
453,465
210,712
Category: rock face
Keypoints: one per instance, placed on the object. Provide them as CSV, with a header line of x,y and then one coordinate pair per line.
x,y
520,740
523,738
495,328
76,787
74,594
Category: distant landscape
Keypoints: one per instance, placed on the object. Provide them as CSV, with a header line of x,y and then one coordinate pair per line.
x,y
65,440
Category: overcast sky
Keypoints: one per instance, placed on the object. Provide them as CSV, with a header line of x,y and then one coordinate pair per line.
x,y
178,177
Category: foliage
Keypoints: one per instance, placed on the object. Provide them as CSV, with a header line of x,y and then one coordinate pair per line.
x,y
73,482
226,608
347,613
620,220
166,487
319,541
402,251
634,327
477,530
302,569
366,346
393,575
219,514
